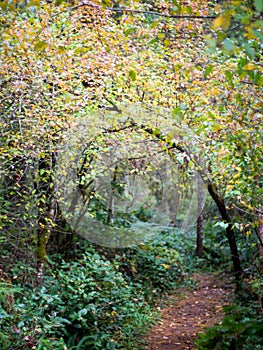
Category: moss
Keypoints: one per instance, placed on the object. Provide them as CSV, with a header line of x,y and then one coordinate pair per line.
x,y
42,241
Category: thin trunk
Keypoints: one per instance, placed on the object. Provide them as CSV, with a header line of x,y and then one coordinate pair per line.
x,y
45,213
110,204
42,240
260,248
260,236
200,219
230,234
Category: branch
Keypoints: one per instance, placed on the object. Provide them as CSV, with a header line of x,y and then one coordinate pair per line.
x,y
159,136
159,14
234,28
127,10
244,211
109,131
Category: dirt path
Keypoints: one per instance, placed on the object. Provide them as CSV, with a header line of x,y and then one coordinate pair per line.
x,y
191,313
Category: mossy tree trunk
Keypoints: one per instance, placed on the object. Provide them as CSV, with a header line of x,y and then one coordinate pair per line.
x,y
45,210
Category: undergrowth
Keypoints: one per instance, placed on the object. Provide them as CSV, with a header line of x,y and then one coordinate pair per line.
x,y
105,299
99,300
241,329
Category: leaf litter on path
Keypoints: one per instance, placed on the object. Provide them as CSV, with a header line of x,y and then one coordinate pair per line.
x,y
185,317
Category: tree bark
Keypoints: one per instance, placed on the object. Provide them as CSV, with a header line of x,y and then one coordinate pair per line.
x,y
230,234
45,211
260,236
200,219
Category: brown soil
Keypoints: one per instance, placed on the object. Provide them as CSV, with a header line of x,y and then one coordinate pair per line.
x,y
190,312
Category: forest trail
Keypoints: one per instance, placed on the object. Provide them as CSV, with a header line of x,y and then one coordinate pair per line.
x,y
191,312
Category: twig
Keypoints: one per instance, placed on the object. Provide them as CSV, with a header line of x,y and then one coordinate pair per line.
x,y
234,28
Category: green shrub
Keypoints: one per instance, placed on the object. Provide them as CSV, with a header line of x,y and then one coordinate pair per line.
x,y
153,268
241,329
95,302
159,268
84,305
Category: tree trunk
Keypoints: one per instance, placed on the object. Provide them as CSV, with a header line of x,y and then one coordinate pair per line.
x,y
200,219
230,234
45,211
260,236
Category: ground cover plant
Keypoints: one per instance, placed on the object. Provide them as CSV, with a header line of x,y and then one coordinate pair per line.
x,y
92,301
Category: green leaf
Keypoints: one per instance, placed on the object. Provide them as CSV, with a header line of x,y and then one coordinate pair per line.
x,y
208,70
156,131
229,76
3,5
161,35
132,75
129,31
258,5
221,224
228,45
153,41
106,3
211,42
242,63
189,10
40,45
249,50
177,111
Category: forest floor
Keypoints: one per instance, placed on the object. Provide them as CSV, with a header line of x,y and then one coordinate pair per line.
x,y
190,312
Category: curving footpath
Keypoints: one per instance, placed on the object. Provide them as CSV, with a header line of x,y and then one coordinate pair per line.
x,y
191,314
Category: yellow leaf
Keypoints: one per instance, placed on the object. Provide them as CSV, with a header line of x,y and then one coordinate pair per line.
x,y
238,168
35,2
40,45
249,66
216,127
167,42
217,22
223,21
229,188
170,137
167,267
249,34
